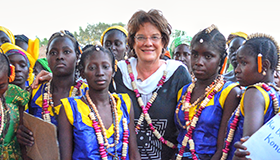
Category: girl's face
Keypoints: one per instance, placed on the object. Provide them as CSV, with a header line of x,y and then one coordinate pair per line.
x,y
116,41
183,54
4,81
148,43
62,57
246,72
37,68
21,69
232,49
98,70
4,38
204,61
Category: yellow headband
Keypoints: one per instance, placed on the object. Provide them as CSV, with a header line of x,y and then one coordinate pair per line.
x,y
239,34
8,33
120,28
8,46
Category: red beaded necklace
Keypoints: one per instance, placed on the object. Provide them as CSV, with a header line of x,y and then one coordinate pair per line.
x,y
101,131
234,123
47,99
145,115
191,122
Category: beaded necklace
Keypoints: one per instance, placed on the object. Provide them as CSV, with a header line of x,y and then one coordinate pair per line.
x,y
234,123
191,123
101,131
146,108
47,100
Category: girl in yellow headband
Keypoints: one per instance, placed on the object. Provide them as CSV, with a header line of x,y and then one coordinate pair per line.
x,y
115,39
23,62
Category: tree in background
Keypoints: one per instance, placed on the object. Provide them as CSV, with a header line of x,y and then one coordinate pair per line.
x,y
43,42
92,32
178,33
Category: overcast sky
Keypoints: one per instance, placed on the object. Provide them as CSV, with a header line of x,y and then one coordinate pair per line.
x,y
42,18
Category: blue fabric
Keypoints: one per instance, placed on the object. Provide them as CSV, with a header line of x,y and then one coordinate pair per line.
x,y
206,131
239,129
85,140
36,104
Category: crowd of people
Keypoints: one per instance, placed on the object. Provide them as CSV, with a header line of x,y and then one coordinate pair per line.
x,y
136,95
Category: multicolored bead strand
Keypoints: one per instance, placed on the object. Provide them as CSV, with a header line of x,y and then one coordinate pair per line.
x,y
191,123
125,139
233,126
76,88
48,102
234,123
145,115
45,113
101,132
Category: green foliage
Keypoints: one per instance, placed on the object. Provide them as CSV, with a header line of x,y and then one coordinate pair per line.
x,y
43,42
92,32
177,33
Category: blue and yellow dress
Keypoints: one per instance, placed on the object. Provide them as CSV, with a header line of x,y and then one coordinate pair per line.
x,y
268,114
85,140
36,104
206,131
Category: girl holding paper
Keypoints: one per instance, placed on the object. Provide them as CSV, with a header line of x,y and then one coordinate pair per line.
x,y
257,60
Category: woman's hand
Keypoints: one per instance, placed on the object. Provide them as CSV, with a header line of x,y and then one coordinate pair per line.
x,y
25,136
40,78
241,150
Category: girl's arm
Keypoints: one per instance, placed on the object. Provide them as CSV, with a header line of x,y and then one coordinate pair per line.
x,y
133,148
254,105
42,77
65,136
230,105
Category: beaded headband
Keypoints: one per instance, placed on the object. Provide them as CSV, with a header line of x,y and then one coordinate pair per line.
x,y
263,35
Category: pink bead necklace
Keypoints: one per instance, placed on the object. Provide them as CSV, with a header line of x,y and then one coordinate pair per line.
x,y
191,122
145,115
234,123
101,131
47,99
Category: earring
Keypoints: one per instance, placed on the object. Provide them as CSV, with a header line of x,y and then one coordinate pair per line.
x,y
224,66
264,73
125,56
12,73
116,65
259,62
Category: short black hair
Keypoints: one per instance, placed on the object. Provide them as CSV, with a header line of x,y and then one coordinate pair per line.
x,y
21,38
89,49
215,39
66,34
264,44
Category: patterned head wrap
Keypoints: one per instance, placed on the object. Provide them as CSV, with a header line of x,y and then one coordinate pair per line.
x,y
10,49
178,41
236,34
8,33
120,28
